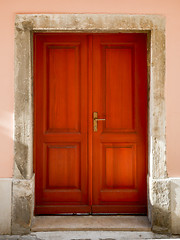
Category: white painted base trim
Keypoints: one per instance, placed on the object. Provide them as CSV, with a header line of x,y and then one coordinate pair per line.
x,y
175,205
5,205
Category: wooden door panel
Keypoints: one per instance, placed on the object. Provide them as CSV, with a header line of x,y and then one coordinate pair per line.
x,y
118,166
118,64
119,145
60,123
64,173
63,114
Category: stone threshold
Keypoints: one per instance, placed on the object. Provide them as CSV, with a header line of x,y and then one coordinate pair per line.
x,y
90,223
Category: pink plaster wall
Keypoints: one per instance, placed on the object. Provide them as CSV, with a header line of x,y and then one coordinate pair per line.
x,y
168,8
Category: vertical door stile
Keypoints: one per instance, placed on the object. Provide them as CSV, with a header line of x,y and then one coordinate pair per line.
x,y
90,127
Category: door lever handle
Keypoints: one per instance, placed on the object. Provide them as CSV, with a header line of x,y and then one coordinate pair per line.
x,y
95,119
100,119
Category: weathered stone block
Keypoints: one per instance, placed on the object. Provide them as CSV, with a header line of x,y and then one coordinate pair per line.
x,y
160,204
22,206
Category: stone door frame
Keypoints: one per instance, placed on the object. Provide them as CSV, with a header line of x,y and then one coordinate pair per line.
x,y
23,178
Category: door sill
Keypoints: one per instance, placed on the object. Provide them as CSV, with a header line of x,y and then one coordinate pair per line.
x,y
90,223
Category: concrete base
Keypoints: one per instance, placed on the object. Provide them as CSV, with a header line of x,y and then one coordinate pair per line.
x,y
90,235
5,205
90,223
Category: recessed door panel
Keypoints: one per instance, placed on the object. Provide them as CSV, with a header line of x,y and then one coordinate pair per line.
x,y
63,113
119,165
118,64
63,166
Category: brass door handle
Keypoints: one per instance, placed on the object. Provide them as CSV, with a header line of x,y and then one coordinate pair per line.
x,y
95,119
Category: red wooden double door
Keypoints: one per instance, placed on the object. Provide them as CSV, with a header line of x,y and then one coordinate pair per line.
x,y
83,164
